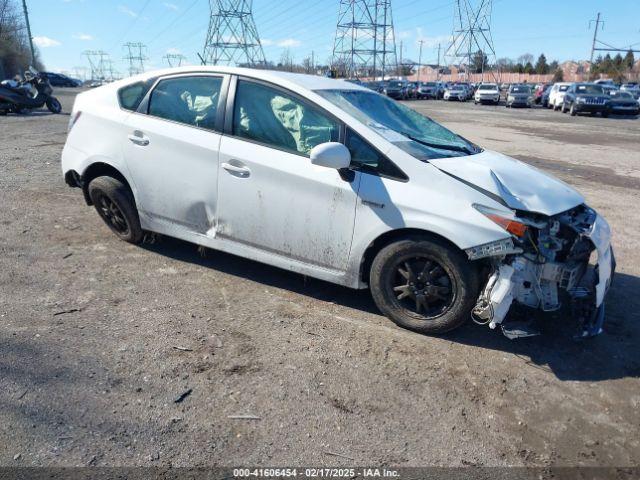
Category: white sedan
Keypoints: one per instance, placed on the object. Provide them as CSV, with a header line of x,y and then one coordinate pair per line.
x,y
331,180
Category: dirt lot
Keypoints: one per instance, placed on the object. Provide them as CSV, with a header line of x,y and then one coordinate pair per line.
x,y
90,372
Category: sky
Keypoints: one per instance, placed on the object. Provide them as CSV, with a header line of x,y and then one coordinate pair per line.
x,y
63,29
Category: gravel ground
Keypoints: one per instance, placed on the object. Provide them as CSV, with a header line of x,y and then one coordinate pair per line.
x,y
115,355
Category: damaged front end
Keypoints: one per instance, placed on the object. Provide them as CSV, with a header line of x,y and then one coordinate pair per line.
x,y
546,260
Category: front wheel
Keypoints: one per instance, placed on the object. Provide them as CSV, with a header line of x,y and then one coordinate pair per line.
x,y
424,285
572,111
54,105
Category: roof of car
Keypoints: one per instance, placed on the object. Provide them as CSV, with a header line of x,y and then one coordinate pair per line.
x,y
309,82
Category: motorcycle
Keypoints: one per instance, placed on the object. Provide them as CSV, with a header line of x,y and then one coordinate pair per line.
x,y
16,97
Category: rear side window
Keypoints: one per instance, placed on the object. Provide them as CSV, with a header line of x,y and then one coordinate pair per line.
x,y
189,100
131,95
367,159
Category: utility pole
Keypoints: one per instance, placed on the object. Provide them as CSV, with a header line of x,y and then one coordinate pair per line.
x,y
420,59
400,64
438,72
26,20
313,62
595,37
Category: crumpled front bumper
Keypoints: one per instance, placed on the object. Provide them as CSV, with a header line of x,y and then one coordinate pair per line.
x,y
517,278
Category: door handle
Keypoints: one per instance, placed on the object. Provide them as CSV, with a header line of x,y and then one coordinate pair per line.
x,y
139,139
235,170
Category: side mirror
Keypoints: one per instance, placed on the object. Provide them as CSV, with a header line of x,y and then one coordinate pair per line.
x,y
331,155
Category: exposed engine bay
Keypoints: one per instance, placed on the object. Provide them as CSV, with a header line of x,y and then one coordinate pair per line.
x,y
547,261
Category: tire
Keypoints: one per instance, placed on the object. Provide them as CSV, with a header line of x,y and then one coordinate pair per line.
x,y
605,114
572,111
54,105
459,283
115,204
563,108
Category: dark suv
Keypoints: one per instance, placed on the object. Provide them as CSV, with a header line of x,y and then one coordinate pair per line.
x,y
586,98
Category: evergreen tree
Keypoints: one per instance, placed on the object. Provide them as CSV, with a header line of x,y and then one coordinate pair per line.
x,y
629,60
541,65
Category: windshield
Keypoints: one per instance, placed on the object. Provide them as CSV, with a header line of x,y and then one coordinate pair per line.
x,y
488,87
589,89
563,88
617,94
404,127
520,89
396,84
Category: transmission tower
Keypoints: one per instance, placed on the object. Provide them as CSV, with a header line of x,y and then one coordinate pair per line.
x,y
472,36
365,43
99,64
135,55
232,38
174,59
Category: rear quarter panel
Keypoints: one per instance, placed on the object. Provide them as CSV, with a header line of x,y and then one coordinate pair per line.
x,y
99,133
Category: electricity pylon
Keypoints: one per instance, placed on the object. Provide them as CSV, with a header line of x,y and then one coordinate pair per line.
x,y
174,59
365,43
135,55
471,37
99,63
232,38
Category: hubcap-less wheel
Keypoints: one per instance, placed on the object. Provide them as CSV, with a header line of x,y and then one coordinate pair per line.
x,y
112,215
422,286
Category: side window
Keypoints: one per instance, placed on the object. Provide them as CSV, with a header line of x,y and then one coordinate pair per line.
x,y
189,100
270,116
367,159
131,95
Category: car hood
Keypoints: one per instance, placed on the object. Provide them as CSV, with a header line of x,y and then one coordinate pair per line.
x,y
516,184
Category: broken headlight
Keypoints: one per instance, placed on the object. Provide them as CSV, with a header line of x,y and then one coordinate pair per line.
x,y
498,248
506,219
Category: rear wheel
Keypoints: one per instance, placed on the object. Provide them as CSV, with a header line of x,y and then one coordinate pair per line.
x,y
424,285
115,204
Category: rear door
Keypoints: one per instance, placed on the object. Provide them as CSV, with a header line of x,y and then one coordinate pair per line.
x,y
270,195
172,149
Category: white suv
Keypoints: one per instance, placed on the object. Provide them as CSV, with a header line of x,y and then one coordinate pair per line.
x,y
331,180
487,93
557,93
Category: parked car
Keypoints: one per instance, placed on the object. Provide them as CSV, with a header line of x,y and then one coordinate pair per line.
x,y
540,91
60,80
331,180
375,86
456,92
468,90
487,93
544,100
519,96
633,88
557,93
412,90
428,90
623,103
586,98
396,89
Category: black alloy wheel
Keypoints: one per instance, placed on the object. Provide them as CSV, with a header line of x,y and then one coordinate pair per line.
x,y
422,286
